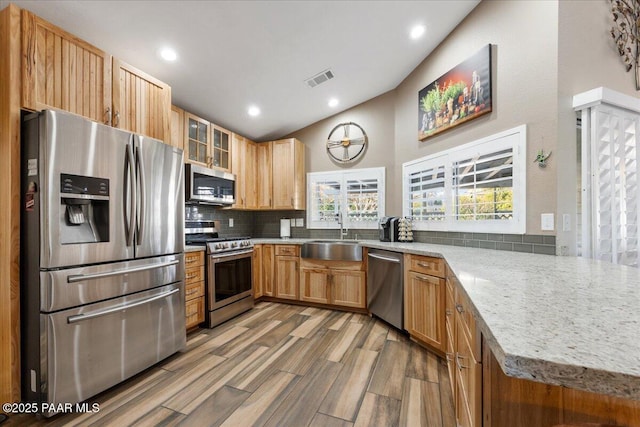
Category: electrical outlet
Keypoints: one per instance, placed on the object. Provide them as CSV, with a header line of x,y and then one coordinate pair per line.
x,y
546,222
566,222
230,222
299,222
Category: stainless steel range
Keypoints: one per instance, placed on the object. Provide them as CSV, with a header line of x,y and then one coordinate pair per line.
x,y
228,290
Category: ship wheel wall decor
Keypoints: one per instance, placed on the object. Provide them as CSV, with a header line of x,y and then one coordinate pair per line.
x,y
346,142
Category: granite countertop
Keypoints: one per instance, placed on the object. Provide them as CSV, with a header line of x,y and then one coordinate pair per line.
x,y
565,321
194,248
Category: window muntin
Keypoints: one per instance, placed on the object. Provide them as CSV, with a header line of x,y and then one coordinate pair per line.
x,y
479,186
358,194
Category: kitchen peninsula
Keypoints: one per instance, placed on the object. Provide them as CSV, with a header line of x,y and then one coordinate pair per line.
x,y
561,321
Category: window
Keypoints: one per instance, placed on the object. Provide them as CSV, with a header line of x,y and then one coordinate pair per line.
x,y
479,186
356,194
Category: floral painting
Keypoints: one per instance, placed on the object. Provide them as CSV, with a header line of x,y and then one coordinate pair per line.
x,y
460,95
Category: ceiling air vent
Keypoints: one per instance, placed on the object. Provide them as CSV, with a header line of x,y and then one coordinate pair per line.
x,y
319,78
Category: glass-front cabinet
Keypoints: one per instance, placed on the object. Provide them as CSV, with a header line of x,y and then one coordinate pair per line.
x,y
220,148
197,140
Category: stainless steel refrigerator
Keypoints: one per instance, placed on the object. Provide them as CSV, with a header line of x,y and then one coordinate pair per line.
x,y
102,262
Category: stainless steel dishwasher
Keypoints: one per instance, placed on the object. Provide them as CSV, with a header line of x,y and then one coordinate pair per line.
x,y
385,286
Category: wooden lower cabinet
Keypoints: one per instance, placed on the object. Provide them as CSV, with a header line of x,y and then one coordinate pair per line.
x,y
340,284
463,355
485,396
425,301
348,288
263,270
256,271
287,277
314,285
194,288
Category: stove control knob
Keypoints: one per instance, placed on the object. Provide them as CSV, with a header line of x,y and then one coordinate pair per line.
x,y
218,245
234,244
226,245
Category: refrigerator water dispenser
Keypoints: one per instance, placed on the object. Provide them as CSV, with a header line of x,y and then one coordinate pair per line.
x,y
85,216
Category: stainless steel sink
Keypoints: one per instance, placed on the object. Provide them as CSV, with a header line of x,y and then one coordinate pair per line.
x,y
332,250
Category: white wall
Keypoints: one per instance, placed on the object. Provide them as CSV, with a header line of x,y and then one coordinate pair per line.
x,y
544,53
376,117
524,68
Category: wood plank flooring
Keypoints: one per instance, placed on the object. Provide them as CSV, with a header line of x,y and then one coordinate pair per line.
x,y
282,365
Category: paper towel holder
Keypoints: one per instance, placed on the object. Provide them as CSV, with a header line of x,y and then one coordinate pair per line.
x,y
285,228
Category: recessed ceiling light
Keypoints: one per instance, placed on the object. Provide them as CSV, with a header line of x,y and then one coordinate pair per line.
x,y
168,54
253,111
333,102
417,31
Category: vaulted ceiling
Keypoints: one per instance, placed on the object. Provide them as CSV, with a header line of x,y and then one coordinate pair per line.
x,y
235,54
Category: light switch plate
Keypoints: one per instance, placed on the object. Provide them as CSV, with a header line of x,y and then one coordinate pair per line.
x,y
299,222
566,222
230,222
546,222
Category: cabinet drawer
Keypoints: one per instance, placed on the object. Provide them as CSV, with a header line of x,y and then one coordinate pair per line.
x,y
194,290
194,312
193,259
194,274
427,265
288,250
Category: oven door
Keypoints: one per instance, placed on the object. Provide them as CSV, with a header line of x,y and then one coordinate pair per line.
x,y
229,278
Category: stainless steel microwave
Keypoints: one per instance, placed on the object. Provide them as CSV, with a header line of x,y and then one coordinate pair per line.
x,y
209,186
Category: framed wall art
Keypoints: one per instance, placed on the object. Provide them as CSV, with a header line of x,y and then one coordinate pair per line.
x,y
458,96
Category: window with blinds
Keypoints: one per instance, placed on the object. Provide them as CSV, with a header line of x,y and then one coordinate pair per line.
x,y
427,193
479,186
483,187
358,194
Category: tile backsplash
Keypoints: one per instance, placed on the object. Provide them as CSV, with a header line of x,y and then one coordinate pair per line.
x,y
267,224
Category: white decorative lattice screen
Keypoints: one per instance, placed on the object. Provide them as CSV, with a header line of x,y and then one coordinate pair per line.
x,y
610,184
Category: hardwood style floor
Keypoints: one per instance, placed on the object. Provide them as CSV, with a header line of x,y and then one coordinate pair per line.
x,y
282,365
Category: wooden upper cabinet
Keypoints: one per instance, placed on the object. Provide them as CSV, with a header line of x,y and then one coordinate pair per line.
x,y
264,163
220,148
238,167
177,127
61,71
196,140
64,72
141,103
250,175
243,165
288,174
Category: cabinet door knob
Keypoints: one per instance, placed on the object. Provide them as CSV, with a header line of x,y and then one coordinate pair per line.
x,y
116,123
459,308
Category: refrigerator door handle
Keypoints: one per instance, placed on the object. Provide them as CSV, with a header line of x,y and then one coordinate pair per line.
x,y
142,200
105,311
130,190
83,277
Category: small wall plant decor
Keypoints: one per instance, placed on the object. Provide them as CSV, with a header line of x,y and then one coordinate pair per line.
x,y
626,17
